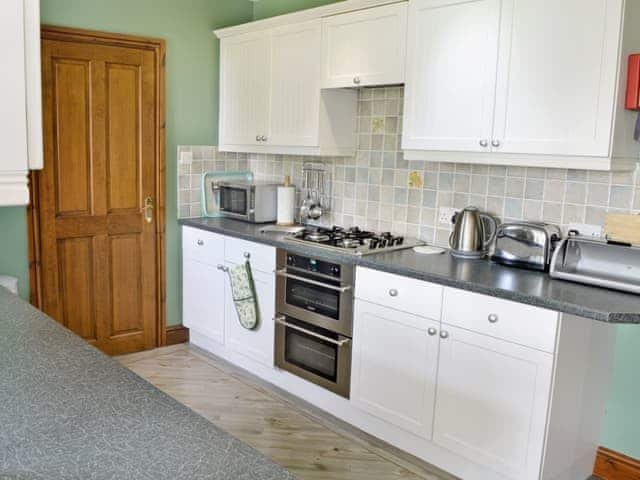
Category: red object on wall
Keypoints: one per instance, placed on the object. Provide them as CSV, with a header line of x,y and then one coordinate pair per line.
x,y
633,83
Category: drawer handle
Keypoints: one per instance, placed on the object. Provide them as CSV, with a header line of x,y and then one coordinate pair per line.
x,y
493,318
247,255
444,334
200,242
393,292
432,331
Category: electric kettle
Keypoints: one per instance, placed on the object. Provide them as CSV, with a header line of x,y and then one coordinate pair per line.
x,y
473,232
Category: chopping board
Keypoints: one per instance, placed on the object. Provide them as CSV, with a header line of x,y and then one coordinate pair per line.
x,y
622,228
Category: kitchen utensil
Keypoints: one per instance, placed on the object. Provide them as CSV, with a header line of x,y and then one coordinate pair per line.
x,y
526,244
597,262
211,193
622,228
472,234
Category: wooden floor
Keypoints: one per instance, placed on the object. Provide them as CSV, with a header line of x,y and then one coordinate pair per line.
x,y
307,445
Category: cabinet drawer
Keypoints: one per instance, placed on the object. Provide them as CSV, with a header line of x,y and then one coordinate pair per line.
x,y
205,247
523,324
401,293
262,257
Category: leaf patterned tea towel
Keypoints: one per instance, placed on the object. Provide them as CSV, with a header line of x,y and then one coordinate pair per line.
x,y
244,297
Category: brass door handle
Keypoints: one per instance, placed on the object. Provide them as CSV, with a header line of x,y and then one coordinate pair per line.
x,y
148,209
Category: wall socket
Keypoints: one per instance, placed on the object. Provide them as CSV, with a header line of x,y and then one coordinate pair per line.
x,y
445,215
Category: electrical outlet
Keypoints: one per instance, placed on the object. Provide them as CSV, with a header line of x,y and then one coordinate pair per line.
x,y
445,215
186,158
586,229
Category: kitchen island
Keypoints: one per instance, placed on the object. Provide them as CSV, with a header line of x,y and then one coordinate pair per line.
x,y
70,412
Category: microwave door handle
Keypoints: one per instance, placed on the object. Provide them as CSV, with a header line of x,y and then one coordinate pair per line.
x,y
283,273
339,343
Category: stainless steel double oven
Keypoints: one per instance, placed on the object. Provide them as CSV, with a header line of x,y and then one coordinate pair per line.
x,y
314,320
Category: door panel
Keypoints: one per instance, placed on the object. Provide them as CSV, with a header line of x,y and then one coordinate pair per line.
x,y
557,76
99,263
451,75
491,402
203,292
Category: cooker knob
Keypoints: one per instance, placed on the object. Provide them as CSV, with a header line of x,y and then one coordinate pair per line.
x,y
291,260
335,270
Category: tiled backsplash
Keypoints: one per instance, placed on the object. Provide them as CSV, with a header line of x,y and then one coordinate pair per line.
x,y
380,190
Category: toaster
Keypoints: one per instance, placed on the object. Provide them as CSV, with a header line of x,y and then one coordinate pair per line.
x,y
526,244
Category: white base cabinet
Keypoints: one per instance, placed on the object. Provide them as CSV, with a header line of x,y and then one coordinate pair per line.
x,y
484,388
20,97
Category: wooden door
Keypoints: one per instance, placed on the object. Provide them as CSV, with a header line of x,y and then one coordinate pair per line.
x,y
295,92
100,240
245,62
452,51
557,77
394,367
491,402
365,47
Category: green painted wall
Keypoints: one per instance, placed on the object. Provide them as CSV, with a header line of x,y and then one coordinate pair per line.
x,y
271,8
191,103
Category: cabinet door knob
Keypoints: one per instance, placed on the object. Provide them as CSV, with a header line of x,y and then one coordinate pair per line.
x,y
257,138
356,80
444,334
495,143
484,143
493,318
393,292
432,331
200,242
263,138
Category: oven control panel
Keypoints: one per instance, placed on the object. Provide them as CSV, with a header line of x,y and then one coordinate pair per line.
x,y
313,265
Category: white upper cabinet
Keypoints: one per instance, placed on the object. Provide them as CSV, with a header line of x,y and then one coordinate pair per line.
x,y
295,96
21,122
528,82
557,76
451,75
245,86
270,95
365,47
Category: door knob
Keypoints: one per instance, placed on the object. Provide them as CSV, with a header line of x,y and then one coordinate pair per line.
x,y
356,80
263,138
444,334
257,138
200,242
432,331
484,143
393,292
148,209
495,143
493,318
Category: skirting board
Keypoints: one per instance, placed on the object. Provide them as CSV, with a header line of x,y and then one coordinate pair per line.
x,y
612,465
177,334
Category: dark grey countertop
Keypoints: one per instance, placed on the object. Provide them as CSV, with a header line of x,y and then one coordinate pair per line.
x,y
481,276
70,412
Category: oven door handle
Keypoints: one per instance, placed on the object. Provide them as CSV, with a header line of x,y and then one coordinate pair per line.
x,y
339,343
283,273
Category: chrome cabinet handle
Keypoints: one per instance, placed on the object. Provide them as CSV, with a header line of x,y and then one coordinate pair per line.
x,y
495,143
432,331
247,255
444,334
393,292
493,318
200,242
148,209
281,320
263,138
356,80
484,143
257,138
283,273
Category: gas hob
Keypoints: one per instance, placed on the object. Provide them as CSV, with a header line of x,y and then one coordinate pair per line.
x,y
353,241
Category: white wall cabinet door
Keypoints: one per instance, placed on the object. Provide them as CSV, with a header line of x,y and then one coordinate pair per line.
x,y
492,400
394,366
365,47
203,298
295,85
557,76
258,343
244,88
452,51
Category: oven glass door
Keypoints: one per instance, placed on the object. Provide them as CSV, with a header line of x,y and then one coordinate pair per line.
x,y
315,354
314,298
234,200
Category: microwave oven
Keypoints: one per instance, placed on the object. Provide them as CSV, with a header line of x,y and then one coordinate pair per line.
x,y
252,202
